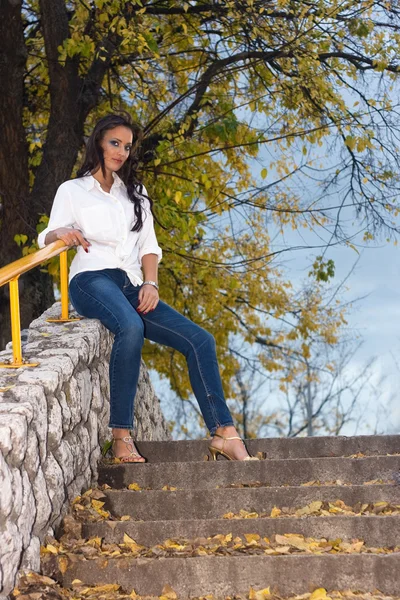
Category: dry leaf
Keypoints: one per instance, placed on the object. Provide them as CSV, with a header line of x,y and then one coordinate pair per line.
x,y
63,564
168,593
319,594
134,486
252,537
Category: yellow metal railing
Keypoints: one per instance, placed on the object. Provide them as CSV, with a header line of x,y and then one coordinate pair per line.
x,y
11,273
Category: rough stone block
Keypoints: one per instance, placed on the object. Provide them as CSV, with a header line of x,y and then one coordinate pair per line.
x,y
55,430
65,459
26,518
43,504
5,434
49,379
31,556
83,380
6,496
55,483
10,554
32,456
19,432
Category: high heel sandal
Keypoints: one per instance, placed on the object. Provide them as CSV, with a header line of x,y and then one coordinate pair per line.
x,y
216,451
129,458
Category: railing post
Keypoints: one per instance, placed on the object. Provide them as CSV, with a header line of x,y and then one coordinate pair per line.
x,y
64,291
16,329
64,285
15,322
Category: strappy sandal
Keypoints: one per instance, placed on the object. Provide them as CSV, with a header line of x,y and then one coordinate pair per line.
x,y
216,451
129,458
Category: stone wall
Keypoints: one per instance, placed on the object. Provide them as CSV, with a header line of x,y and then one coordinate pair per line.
x,y
53,421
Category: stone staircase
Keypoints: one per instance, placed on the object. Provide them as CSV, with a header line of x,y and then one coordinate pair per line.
x,y
317,513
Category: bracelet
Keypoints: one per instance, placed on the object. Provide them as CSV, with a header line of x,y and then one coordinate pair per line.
x,y
153,283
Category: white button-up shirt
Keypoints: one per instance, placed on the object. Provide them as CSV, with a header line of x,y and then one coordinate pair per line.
x,y
105,220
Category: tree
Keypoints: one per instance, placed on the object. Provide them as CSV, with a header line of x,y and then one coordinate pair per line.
x,y
214,84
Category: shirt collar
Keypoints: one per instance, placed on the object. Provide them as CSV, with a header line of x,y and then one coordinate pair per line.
x,y
90,182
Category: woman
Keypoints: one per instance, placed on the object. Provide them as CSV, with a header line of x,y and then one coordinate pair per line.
x,y
108,217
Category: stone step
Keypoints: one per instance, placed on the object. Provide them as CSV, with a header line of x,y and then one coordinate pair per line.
x,y
206,475
195,504
376,531
229,575
306,447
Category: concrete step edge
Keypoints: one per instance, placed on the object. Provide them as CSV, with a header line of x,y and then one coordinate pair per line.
x,y
273,472
193,450
198,576
194,504
383,531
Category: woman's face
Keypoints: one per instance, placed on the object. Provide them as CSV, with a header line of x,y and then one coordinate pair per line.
x,y
116,145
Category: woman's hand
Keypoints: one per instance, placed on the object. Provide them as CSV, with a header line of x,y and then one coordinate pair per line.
x,y
72,237
148,298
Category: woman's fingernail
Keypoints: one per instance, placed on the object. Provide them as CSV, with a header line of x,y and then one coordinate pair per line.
x,y
86,250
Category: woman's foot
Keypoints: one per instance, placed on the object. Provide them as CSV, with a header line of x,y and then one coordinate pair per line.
x,y
234,448
124,448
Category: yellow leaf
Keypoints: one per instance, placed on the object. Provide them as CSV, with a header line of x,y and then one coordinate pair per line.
x,y
251,537
125,518
108,587
63,564
131,544
168,592
51,548
178,196
95,542
276,512
264,173
97,504
134,486
319,594
315,506
260,594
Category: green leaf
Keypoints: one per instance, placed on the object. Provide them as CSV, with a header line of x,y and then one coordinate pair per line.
x,y
151,42
106,447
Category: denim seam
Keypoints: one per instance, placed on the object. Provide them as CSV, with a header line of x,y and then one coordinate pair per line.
x,y
116,320
209,396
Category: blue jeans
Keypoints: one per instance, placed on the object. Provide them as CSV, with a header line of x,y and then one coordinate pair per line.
x,y
109,295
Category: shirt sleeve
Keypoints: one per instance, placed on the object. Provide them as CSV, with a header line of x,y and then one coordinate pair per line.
x,y
147,237
61,214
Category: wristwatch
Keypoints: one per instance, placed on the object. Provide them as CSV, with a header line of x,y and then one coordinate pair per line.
x,y
153,283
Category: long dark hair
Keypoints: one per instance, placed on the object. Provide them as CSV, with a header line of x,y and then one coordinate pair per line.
x,y
94,160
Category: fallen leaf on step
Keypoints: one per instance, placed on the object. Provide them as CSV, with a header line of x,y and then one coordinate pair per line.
x,y
168,593
252,537
260,594
275,512
50,548
134,486
63,564
319,594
